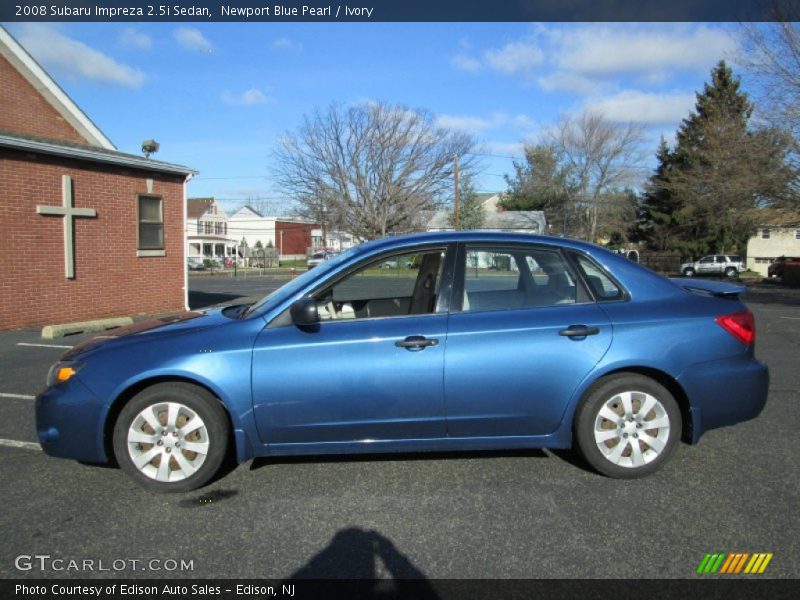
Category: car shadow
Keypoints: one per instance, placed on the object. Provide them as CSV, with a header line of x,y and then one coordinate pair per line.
x,y
353,554
574,458
260,462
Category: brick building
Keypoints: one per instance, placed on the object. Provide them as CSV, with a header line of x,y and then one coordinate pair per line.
x,y
86,231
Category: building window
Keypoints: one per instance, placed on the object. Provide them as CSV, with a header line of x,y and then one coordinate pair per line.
x,y
218,228
765,234
207,227
797,234
151,222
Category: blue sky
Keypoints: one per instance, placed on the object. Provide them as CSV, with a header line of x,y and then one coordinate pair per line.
x,y
218,96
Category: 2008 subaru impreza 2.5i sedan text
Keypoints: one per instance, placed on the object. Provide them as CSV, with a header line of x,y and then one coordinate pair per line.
x,y
466,341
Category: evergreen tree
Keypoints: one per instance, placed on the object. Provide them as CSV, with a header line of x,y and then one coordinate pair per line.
x,y
705,193
470,209
540,183
657,223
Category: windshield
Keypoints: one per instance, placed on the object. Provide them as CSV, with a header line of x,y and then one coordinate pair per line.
x,y
295,285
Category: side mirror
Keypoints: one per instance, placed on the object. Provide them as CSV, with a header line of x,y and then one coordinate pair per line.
x,y
304,312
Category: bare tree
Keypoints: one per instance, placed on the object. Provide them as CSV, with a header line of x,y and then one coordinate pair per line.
x,y
601,157
771,52
369,169
267,206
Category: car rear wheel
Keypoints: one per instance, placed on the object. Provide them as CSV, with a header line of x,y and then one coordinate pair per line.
x,y
627,426
731,273
688,273
171,437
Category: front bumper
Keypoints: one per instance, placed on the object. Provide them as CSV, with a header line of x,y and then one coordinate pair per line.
x,y
724,392
69,422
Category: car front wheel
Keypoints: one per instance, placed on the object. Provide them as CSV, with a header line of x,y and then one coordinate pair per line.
x,y
171,437
688,273
627,425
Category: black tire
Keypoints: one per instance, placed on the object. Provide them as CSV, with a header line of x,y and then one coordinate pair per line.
x,y
688,272
193,401
731,273
608,391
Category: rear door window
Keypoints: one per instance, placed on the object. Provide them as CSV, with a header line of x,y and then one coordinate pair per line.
x,y
508,279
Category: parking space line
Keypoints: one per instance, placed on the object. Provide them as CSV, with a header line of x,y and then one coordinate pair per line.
x,y
17,396
18,444
791,318
42,345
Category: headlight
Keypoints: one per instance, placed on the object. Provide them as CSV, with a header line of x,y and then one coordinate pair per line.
x,y
62,371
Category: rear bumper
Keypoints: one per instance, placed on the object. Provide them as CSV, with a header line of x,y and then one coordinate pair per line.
x,y
69,422
724,392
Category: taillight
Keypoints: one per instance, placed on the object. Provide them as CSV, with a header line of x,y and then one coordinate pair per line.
x,y
740,325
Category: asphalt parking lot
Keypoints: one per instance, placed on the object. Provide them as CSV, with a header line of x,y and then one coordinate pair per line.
x,y
471,515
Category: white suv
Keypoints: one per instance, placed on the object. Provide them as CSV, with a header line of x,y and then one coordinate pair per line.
x,y
729,265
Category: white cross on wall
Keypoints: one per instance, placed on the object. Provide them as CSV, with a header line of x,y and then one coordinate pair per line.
x,y
69,213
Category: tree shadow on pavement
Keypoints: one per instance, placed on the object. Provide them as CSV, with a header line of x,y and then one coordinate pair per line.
x,y
772,293
204,299
355,555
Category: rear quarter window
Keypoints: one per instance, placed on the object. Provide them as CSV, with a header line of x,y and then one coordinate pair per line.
x,y
602,286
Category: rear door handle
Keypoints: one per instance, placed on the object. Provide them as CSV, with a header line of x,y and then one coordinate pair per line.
x,y
416,343
575,331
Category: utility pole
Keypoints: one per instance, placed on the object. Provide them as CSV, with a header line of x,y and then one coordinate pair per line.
x,y
456,217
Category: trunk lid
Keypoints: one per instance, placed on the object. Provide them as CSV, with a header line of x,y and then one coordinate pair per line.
x,y
721,289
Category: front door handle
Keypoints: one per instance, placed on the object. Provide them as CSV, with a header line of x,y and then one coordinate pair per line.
x,y
579,331
416,343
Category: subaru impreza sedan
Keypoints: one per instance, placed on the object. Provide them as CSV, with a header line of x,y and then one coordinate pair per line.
x,y
471,341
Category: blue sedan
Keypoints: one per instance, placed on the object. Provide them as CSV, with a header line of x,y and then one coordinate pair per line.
x,y
439,341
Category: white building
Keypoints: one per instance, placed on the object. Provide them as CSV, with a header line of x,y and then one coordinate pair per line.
x,y
335,241
292,237
207,230
769,243
495,218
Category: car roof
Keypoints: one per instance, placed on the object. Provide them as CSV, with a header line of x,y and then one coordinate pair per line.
x,y
474,235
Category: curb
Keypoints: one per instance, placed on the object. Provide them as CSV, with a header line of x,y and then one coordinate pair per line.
x,y
50,332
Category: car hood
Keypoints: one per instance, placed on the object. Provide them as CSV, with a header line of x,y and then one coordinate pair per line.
x,y
166,325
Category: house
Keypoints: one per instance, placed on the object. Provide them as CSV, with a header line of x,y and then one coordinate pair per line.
x,y
772,241
495,217
335,241
292,237
207,230
87,231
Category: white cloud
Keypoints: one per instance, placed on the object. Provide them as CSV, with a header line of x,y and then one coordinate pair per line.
x,y
643,107
75,59
515,57
478,124
569,82
470,124
251,97
643,50
593,58
466,63
192,39
506,148
287,44
132,38
523,122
